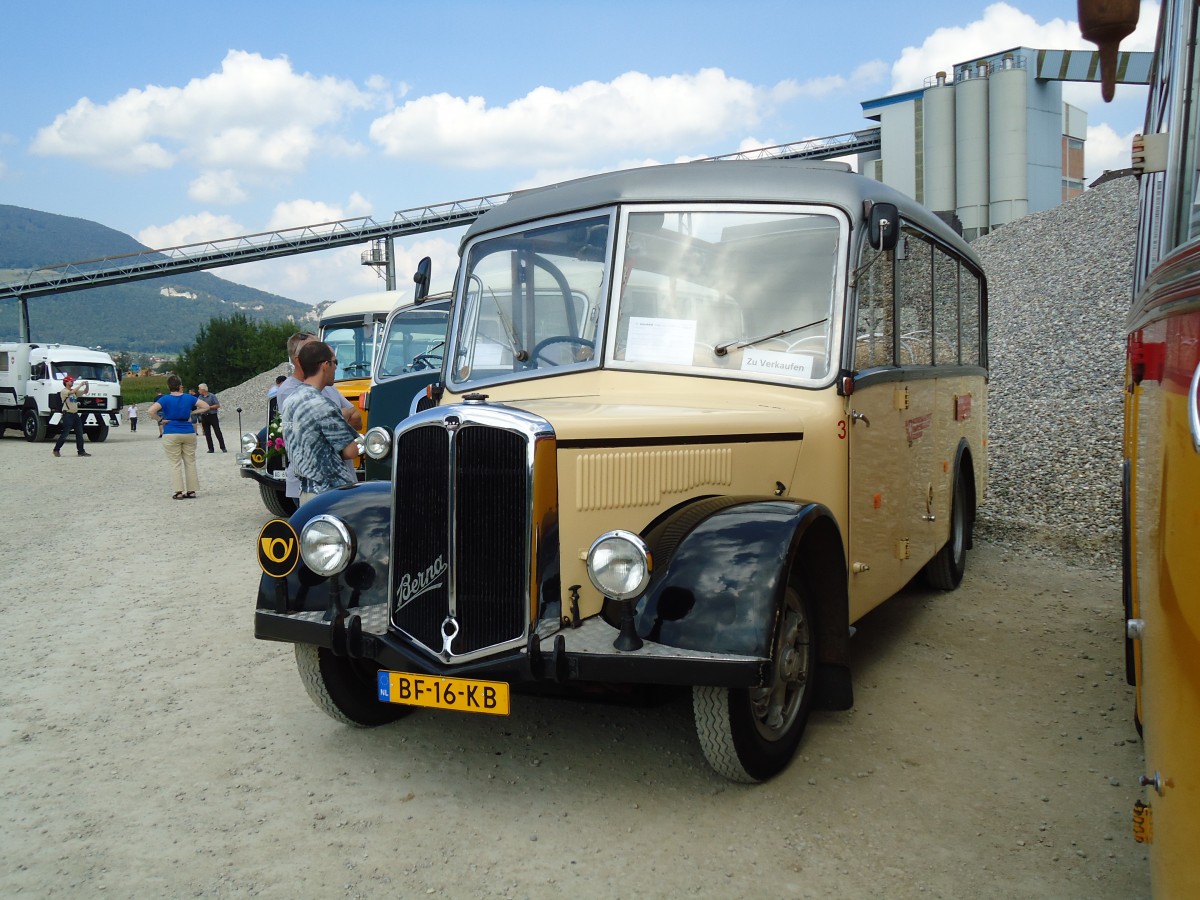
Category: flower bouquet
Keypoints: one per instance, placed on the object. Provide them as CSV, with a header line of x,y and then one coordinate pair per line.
x,y
274,448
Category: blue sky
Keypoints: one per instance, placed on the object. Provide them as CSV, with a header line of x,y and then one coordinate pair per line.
x,y
191,122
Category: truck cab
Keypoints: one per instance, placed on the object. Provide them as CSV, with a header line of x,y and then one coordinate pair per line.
x,y
30,381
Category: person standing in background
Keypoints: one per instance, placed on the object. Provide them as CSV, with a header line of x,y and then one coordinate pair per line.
x,y
349,411
158,395
320,442
209,420
70,415
174,412
132,417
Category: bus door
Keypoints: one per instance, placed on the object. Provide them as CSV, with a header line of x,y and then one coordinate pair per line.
x,y
891,435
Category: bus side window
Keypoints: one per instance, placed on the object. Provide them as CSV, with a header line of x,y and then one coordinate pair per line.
x,y
873,329
945,308
969,318
914,280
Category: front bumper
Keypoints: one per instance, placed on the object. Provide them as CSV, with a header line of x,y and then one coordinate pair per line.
x,y
273,479
583,654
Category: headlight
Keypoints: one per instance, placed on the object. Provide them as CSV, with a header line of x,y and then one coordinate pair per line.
x,y
619,565
326,545
249,441
378,443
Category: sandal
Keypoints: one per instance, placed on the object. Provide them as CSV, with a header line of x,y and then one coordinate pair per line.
x,y
190,495
178,495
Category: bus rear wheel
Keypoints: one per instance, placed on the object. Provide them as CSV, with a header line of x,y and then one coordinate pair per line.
x,y
945,571
751,734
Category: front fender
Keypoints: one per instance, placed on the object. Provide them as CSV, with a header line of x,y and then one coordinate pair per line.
x,y
720,569
367,510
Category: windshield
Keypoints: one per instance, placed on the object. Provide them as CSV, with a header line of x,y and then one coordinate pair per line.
x,y
413,340
733,292
354,344
729,291
531,302
88,371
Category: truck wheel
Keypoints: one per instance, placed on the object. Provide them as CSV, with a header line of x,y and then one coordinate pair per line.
x,y
33,425
97,434
945,571
277,501
751,734
345,689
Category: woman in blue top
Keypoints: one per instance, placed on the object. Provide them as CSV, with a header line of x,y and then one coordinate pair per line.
x,y
174,412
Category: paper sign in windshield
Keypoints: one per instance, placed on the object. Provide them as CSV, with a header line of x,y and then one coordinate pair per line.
x,y
776,362
661,340
489,354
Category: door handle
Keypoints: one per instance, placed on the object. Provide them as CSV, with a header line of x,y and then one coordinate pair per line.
x,y
856,416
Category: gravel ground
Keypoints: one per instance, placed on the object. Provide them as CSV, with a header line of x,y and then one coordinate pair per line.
x,y
151,747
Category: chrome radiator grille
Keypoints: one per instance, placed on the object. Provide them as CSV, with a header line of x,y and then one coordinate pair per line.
x,y
461,534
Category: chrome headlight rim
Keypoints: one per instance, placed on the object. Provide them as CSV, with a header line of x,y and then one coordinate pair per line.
x,y
249,441
327,545
604,558
378,442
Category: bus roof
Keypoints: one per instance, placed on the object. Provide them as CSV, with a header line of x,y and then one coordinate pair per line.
x,y
378,302
757,181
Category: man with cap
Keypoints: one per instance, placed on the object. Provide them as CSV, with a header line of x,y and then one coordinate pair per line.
x,y
71,420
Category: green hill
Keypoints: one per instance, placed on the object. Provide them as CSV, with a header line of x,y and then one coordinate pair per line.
x,y
160,315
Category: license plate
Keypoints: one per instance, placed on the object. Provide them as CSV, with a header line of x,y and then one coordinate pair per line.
x,y
459,694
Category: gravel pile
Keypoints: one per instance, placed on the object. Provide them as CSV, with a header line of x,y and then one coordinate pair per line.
x,y
251,396
1059,285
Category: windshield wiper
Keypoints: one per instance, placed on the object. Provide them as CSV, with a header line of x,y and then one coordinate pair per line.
x,y
518,351
725,346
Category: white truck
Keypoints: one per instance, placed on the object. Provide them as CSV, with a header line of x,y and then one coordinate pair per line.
x,y
31,378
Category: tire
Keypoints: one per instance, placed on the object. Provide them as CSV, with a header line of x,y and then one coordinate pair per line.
x,y
97,434
945,571
750,734
33,425
277,501
345,689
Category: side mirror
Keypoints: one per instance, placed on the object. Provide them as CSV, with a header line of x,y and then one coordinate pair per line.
x,y
421,279
883,226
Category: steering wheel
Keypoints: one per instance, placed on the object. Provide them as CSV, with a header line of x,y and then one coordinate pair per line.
x,y
426,361
536,352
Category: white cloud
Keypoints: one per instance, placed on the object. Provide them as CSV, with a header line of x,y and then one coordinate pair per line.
x,y
549,127
195,229
1003,26
254,114
218,187
297,213
1107,150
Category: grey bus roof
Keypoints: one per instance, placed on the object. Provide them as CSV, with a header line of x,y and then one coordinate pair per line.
x,y
748,181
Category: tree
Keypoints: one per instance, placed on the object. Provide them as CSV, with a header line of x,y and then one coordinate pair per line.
x,y
228,352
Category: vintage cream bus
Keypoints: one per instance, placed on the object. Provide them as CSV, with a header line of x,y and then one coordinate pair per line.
x,y
1162,445
694,421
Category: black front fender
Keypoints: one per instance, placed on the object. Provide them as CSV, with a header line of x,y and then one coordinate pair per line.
x,y
720,569
367,510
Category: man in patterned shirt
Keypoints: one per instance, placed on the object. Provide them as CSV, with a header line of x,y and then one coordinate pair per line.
x,y
320,443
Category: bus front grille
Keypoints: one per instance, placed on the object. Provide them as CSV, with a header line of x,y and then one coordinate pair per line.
x,y
460,554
